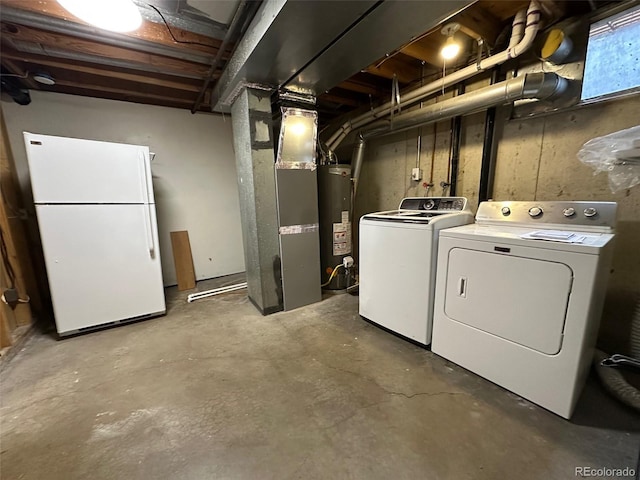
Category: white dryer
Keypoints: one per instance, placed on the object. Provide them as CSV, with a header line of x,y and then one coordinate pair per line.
x,y
519,295
397,258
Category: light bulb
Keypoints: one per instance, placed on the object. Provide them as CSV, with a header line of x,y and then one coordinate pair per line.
x,y
450,50
298,128
113,15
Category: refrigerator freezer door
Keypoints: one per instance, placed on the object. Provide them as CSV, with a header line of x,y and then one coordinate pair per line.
x,y
71,170
102,262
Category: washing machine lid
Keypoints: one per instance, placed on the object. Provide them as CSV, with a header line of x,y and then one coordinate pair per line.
x,y
402,216
422,210
585,242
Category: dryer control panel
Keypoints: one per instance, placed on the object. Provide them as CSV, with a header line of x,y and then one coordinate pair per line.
x,y
548,214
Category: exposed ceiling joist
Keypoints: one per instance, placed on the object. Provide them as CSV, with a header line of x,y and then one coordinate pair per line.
x,y
50,15
35,62
361,87
120,91
424,50
335,97
406,71
64,42
479,23
127,97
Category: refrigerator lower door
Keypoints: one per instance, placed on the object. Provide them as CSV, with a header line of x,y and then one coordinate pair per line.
x,y
103,263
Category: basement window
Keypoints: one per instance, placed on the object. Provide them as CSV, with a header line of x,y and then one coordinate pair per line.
x,y
612,65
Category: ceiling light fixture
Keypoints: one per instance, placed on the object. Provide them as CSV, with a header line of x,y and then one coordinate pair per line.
x,y
44,78
113,15
451,48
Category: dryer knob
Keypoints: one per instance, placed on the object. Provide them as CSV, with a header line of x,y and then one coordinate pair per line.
x,y
569,212
535,211
506,211
590,212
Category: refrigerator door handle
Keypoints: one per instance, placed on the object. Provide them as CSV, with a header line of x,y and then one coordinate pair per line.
x,y
149,227
148,213
145,179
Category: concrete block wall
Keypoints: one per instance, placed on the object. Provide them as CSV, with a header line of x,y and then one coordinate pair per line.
x,y
536,160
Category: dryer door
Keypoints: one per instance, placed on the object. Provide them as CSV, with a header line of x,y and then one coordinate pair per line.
x,y
522,300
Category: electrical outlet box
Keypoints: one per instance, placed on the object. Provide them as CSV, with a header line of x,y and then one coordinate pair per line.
x,y
416,174
10,297
347,262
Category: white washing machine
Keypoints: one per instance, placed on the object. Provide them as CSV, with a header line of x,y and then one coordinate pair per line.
x,y
519,296
397,258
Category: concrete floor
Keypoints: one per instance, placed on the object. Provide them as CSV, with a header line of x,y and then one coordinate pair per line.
x,y
215,390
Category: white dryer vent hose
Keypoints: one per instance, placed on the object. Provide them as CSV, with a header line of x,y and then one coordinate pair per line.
x,y
612,378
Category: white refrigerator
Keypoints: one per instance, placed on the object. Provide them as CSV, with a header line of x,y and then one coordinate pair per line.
x,y
97,219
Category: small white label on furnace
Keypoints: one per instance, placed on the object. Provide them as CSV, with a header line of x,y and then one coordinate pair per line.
x,y
345,216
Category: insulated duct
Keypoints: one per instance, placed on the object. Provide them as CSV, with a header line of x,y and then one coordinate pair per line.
x,y
518,44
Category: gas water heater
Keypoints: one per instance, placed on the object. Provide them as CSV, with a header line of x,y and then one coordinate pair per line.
x,y
334,198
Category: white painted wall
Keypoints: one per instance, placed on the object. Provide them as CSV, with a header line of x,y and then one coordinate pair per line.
x,y
194,173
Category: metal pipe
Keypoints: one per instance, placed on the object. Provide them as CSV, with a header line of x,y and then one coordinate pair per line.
x,y
356,164
528,86
216,291
456,140
485,190
487,167
236,23
409,98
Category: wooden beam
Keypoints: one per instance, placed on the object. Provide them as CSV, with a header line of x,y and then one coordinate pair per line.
x,y
43,61
504,10
477,22
361,87
406,72
424,50
14,242
149,31
131,97
68,43
121,91
339,99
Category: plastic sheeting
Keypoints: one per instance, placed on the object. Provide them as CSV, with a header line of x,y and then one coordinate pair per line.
x,y
618,154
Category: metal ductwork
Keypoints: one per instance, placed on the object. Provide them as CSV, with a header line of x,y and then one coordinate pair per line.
x,y
310,47
519,43
535,86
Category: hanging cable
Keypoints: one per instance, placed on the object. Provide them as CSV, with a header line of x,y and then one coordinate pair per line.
x,y
171,33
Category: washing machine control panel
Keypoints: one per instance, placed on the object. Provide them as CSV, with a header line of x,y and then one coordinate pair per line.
x,y
578,214
433,204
